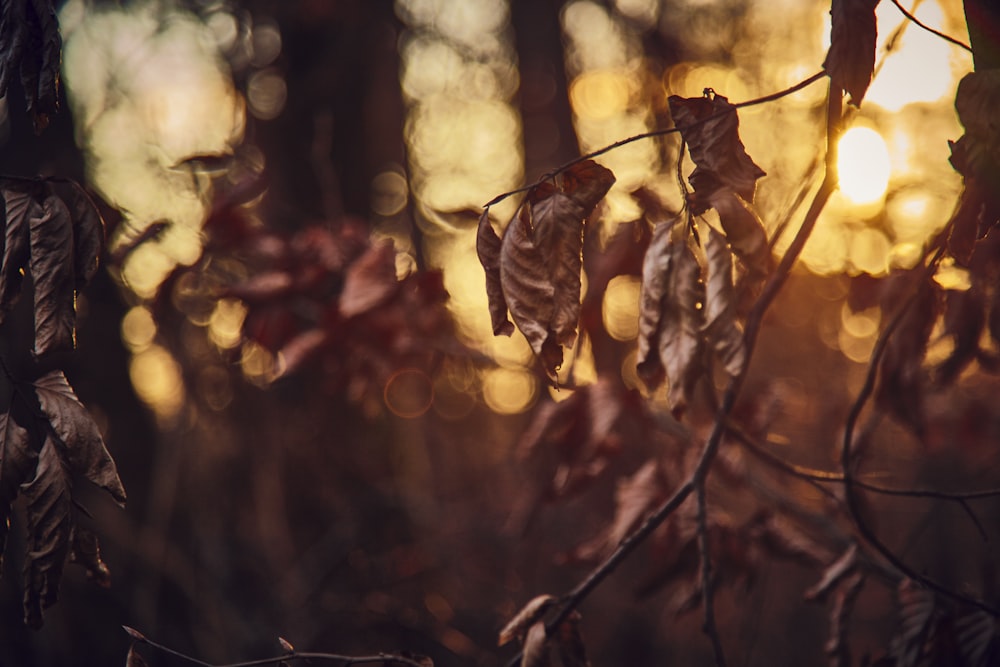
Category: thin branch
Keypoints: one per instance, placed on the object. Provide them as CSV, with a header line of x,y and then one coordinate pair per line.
x,y
850,496
754,320
287,657
657,133
913,19
707,581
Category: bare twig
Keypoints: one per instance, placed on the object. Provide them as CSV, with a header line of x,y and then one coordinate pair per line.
x,y
754,320
851,498
707,581
657,133
286,657
913,19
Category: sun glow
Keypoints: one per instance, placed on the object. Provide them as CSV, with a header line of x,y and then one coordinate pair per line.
x,y
863,165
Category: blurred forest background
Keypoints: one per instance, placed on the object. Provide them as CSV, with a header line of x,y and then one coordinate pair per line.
x,y
376,500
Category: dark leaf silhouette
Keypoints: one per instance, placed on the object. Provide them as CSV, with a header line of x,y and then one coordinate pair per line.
x,y
569,642
834,574
86,552
54,234
541,258
657,268
536,650
840,612
978,637
528,616
370,280
17,464
133,659
976,102
964,319
710,126
488,249
851,58
286,645
30,43
723,331
917,618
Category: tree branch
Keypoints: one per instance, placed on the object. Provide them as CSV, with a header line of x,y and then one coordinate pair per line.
x,y
913,19
707,581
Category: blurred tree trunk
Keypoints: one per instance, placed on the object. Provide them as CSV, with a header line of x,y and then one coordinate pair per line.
x,y
983,18
549,137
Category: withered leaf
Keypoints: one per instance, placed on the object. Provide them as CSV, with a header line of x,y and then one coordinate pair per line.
x,y
834,573
301,349
286,645
851,58
536,651
86,552
843,604
488,250
978,637
917,610
17,464
569,641
88,228
710,126
370,280
77,433
263,287
635,497
744,230
19,205
50,526
976,102
133,659
723,331
964,319
30,43
541,258
656,270
532,612
52,273
134,634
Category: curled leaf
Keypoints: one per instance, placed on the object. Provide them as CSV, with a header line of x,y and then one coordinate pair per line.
x,y
488,250
133,659
536,651
86,552
52,272
17,465
744,230
834,573
710,126
851,58
286,645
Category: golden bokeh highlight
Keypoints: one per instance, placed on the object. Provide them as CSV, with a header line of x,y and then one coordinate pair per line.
x,y
863,165
156,377
509,391
225,325
138,329
620,310
408,393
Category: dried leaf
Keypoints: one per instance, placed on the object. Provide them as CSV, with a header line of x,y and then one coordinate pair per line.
x,y
85,551
680,341
851,58
17,464
635,497
134,634
13,35
723,331
488,249
978,639
744,230
525,618
19,205
710,126
530,294
976,102
77,433
286,645
569,641
370,280
843,604
301,349
536,650
541,259
50,526
964,320
916,620
133,659
40,78
52,272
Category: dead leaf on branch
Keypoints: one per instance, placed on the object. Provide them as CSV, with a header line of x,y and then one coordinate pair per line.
x,y
18,460
851,58
30,42
54,234
978,635
710,127
724,333
529,615
744,230
671,316
540,258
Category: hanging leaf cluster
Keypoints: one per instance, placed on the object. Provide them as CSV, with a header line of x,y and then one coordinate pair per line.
x,y
540,649
30,45
534,270
48,441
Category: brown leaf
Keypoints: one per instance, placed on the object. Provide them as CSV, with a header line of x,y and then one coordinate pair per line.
x,y
88,228
19,206
77,433
710,127
286,645
488,250
569,641
85,551
52,273
530,294
586,183
917,611
681,322
635,497
302,349
843,604
744,230
134,634
40,78
536,650
370,280
17,465
978,637
50,527
851,58
531,613
133,659
263,287
724,333
964,320
656,271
